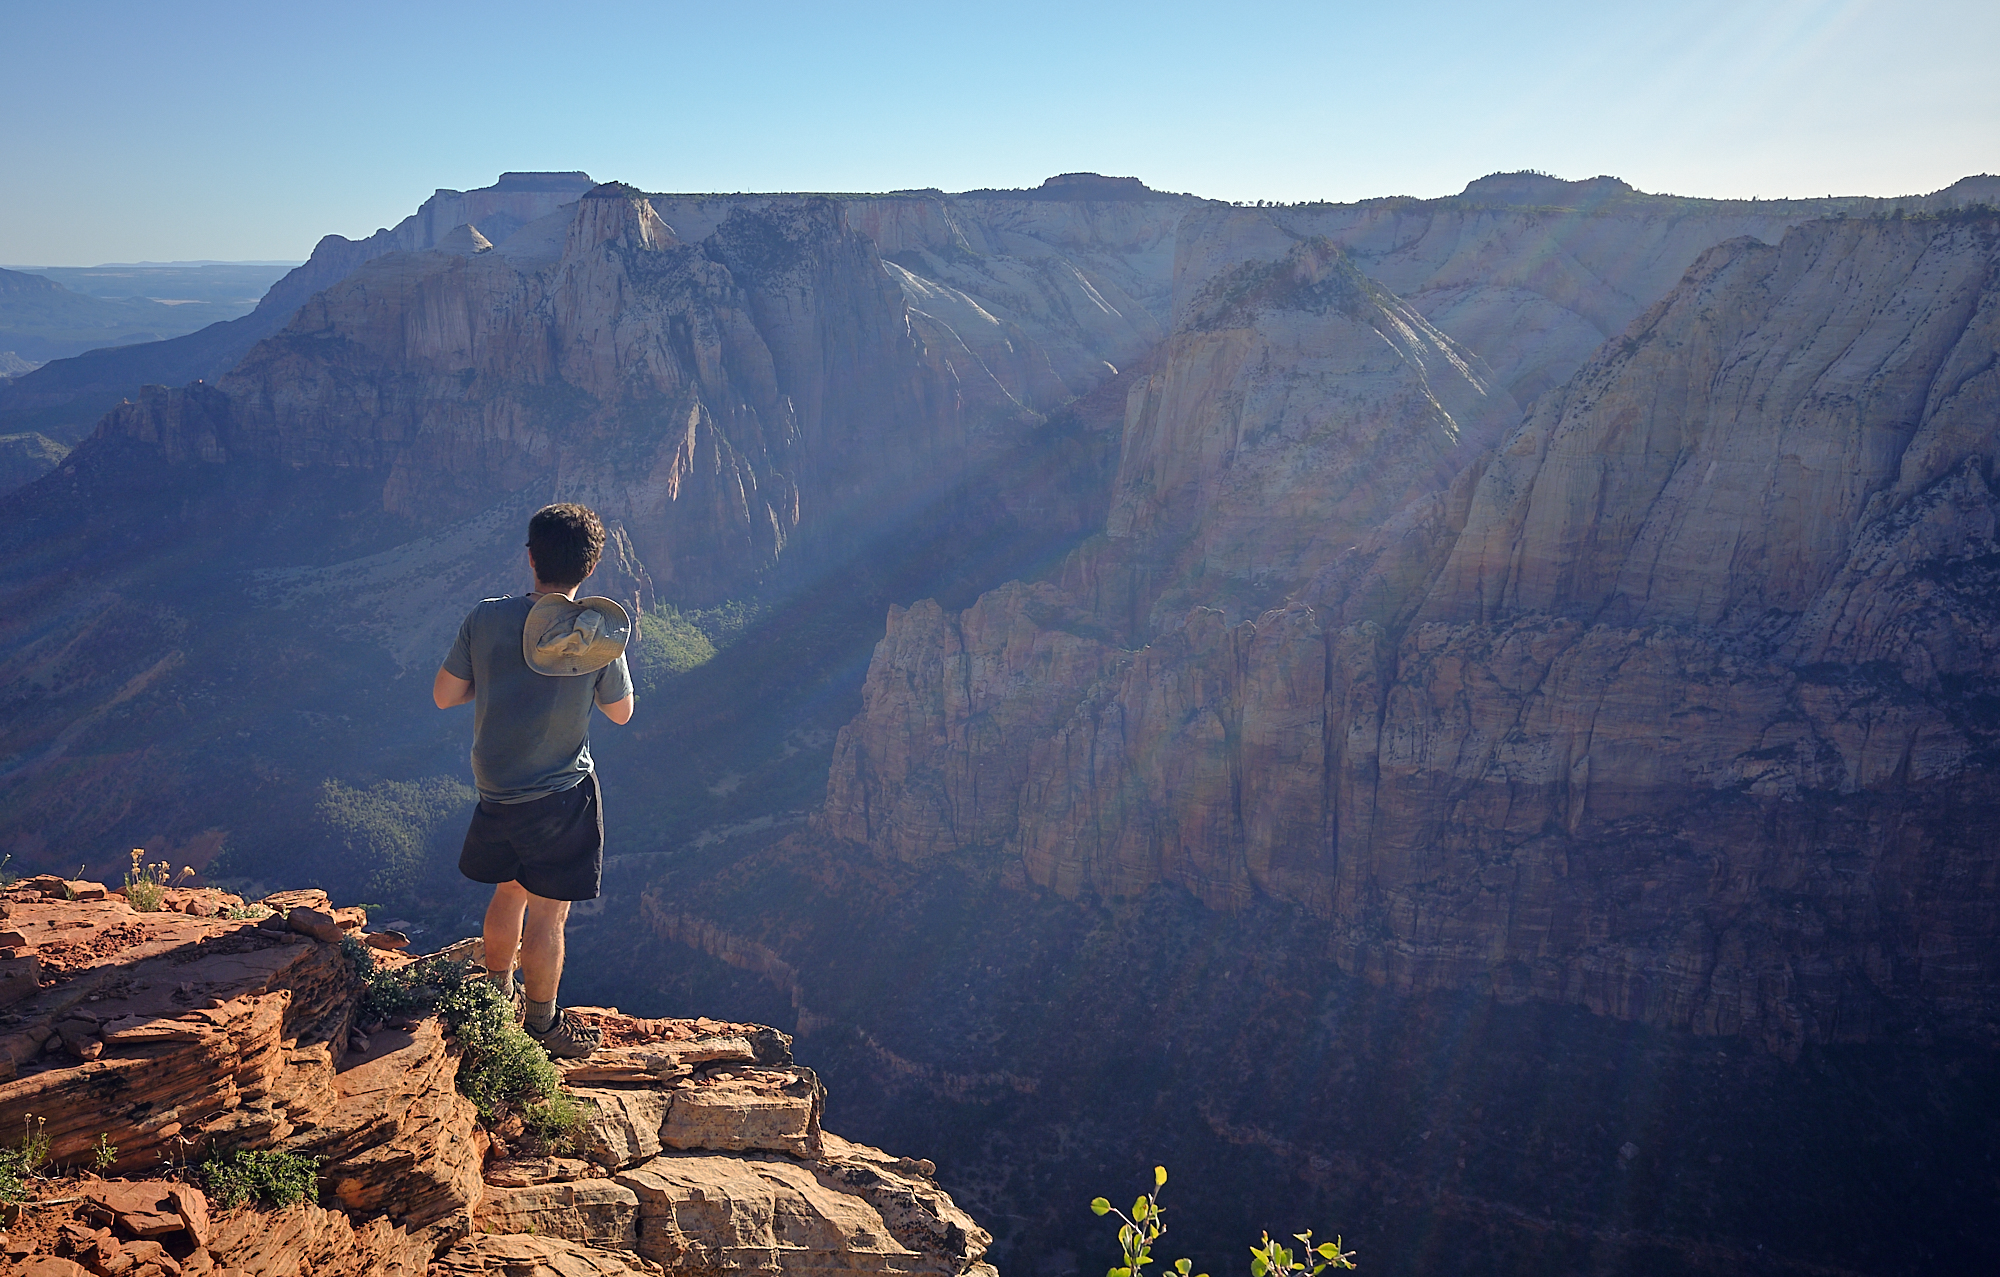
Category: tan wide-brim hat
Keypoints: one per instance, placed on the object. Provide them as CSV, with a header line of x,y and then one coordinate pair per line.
x,y
564,637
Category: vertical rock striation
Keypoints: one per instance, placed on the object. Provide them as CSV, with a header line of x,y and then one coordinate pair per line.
x,y
1674,704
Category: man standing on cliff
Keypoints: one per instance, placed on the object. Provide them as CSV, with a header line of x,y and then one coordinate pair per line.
x,y
535,664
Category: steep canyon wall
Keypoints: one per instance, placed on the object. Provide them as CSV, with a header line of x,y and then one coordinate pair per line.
x,y
1675,704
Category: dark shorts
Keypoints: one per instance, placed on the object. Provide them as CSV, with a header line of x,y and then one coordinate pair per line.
x,y
553,846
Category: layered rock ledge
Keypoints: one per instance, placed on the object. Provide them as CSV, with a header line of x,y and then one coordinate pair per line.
x,y
139,1043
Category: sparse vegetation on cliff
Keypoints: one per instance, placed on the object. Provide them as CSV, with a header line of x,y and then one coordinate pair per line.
x,y
502,1071
269,1177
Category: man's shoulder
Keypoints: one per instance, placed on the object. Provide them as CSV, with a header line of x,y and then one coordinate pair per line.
x,y
494,608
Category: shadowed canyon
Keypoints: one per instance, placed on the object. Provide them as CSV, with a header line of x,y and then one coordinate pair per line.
x,y
1469,723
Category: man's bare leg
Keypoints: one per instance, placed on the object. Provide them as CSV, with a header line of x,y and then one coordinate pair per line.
x,y
542,949
503,931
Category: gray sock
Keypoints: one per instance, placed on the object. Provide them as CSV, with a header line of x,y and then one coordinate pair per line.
x,y
542,1016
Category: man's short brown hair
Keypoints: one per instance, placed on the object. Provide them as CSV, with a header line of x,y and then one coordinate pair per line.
x,y
565,541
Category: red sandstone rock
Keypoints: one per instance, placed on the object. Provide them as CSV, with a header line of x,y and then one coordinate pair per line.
x,y
220,1034
522,1256
315,923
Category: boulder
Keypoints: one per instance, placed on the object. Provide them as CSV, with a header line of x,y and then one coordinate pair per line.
x,y
142,1208
776,1110
520,1256
315,923
710,1212
623,1123
284,901
597,1212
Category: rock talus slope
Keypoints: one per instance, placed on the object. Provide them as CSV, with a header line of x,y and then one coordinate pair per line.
x,y
173,1035
1673,705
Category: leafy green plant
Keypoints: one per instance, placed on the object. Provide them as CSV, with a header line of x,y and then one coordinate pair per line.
x,y
503,1069
410,989
7,876
34,1145
269,1177
1138,1231
1274,1260
243,912
104,1152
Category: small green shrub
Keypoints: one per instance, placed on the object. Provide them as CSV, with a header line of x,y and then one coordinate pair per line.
x,y
266,1176
410,990
553,1127
357,955
104,1152
1273,1260
501,1069
245,912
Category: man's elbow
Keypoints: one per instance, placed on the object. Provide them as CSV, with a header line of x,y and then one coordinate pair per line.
x,y
619,712
449,690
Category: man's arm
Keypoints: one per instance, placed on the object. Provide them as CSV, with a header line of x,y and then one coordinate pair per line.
x,y
449,689
619,712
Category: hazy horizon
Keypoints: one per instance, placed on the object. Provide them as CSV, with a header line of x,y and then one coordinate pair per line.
x,y
231,131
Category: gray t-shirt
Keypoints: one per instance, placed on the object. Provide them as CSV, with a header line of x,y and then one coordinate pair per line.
x,y
530,732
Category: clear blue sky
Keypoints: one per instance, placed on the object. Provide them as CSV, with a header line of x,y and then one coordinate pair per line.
x,y
248,130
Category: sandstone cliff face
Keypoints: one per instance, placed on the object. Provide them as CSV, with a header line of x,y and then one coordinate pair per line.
x,y
1086,283
1300,405
1533,290
709,400
1674,706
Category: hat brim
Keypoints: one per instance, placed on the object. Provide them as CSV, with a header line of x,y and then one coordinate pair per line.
x,y
542,634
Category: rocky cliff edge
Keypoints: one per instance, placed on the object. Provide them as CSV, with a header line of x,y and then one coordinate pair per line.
x,y
141,1044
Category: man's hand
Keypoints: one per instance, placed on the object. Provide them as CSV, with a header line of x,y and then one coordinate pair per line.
x,y
619,712
449,690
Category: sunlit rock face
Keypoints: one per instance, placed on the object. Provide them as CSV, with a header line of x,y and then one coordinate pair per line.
x,y
1675,704
1300,405
708,399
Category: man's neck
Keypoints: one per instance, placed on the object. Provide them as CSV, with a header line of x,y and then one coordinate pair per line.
x,y
567,591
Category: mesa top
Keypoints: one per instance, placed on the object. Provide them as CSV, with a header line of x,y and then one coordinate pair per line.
x,y
530,732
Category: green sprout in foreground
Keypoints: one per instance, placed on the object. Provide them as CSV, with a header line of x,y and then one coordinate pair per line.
x,y
1138,1231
